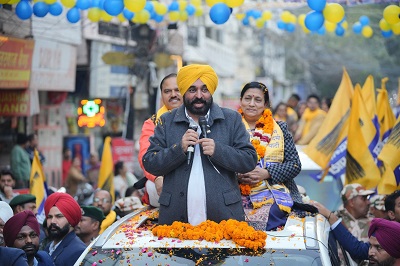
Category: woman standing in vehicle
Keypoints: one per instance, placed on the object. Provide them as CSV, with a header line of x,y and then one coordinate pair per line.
x,y
278,162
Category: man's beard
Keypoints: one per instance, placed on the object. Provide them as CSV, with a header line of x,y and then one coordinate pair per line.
x,y
32,250
60,233
196,111
388,262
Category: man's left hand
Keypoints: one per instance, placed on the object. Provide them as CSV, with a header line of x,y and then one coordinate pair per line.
x,y
208,146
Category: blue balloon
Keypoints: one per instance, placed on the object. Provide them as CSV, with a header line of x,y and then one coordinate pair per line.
x,y
357,28
149,6
290,27
314,20
220,13
321,30
158,18
83,4
281,25
56,9
174,6
190,9
339,31
113,7
364,20
23,10
246,21
387,34
317,5
257,14
73,15
40,9
97,3
128,14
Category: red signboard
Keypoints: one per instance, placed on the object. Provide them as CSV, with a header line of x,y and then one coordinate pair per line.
x,y
123,150
15,62
19,102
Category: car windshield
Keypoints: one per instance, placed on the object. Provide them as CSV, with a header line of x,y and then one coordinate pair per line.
x,y
205,256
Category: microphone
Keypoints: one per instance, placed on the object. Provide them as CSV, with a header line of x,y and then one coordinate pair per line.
x,y
190,149
204,126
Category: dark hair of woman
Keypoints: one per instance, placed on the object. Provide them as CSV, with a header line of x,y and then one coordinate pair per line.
x,y
256,85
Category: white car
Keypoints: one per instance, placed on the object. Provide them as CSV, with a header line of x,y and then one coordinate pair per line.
x,y
129,241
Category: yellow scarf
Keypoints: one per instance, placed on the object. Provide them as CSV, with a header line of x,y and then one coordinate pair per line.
x,y
308,116
109,220
276,147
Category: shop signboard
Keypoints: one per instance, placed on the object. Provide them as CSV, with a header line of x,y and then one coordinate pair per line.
x,y
19,102
123,150
53,66
15,62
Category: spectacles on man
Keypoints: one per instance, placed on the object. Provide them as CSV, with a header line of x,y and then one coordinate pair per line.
x,y
104,201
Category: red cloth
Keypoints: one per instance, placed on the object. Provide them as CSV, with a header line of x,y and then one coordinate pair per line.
x,y
66,165
14,225
67,206
387,233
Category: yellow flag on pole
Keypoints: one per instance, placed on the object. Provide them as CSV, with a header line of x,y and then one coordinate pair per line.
x,y
328,148
390,158
106,173
360,163
385,113
38,186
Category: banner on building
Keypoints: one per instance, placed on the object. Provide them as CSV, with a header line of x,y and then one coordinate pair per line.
x,y
19,102
123,150
15,62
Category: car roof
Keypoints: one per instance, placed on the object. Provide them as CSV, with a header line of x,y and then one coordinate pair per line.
x,y
298,233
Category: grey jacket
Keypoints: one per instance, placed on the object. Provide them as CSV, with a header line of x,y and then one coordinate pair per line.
x,y
233,153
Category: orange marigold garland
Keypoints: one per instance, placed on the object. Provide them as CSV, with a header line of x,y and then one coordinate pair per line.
x,y
240,232
260,139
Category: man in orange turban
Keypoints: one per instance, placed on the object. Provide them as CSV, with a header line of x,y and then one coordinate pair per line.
x,y
63,213
203,159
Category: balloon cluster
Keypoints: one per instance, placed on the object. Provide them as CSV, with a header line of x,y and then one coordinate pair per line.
x,y
260,18
362,27
390,23
324,16
287,21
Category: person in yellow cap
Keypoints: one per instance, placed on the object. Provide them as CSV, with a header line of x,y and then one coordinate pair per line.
x,y
198,147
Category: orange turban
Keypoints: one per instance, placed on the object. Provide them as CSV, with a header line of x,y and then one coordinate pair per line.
x,y
67,206
188,75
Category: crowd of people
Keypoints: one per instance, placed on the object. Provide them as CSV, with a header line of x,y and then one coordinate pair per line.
x,y
201,162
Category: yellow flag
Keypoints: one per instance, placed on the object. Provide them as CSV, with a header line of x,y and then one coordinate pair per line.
x,y
360,164
106,174
385,114
390,157
37,186
328,148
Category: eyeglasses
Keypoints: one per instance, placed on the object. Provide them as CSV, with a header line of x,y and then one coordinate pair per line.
x,y
104,201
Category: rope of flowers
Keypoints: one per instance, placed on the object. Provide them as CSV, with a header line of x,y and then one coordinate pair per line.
x,y
240,232
260,139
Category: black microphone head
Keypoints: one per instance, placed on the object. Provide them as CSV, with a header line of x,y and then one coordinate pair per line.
x,y
203,125
202,121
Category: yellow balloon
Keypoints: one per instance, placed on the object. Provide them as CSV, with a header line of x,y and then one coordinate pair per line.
x,y
173,16
94,14
49,2
396,28
293,19
391,14
384,25
367,31
134,5
305,29
210,3
329,26
196,2
68,3
345,25
161,8
285,16
333,12
105,16
234,3
267,15
183,16
121,17
13,2
240,16
260,23
302,17
143,16
199,11
2,2
182,5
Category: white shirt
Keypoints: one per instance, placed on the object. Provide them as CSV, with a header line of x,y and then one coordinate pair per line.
x,y
53,247
196,195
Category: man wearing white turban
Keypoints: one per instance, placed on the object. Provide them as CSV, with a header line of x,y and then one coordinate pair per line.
x,y
5,214
202,185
